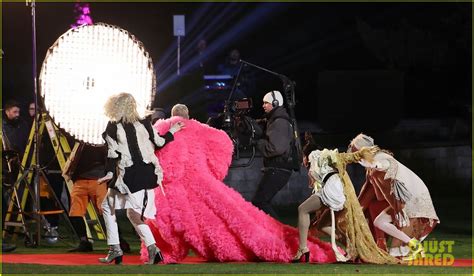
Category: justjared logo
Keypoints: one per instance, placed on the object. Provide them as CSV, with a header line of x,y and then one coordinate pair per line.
x,y
436,253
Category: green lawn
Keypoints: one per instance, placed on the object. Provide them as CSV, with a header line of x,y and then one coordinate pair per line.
x,y
458,232
461,249
229,268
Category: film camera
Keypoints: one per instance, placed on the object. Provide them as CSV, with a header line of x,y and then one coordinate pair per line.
x,y
240,127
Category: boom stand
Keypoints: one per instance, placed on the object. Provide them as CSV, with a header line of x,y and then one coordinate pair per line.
x,y
289,92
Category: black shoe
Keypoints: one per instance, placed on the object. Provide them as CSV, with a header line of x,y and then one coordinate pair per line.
x,y
124,246
84,246
301,256
8,247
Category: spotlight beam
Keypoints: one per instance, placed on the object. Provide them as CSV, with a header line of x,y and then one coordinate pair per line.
x,y
259,15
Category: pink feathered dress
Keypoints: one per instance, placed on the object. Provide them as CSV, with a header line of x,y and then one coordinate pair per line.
x,y
200,212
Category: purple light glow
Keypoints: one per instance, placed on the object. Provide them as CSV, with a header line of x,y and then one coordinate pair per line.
x,y
83,16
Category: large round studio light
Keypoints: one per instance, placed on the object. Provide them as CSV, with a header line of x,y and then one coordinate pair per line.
x,y
84,67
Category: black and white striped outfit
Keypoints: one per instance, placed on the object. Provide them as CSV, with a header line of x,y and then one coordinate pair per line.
x,y
132,160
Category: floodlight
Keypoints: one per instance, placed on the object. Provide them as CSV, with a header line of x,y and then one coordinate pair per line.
x,y
84,67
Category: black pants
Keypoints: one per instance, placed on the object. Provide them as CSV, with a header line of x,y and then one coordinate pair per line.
x,y
272,181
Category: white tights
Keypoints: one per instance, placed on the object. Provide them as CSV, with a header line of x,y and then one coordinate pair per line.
x,y
143,230
384,223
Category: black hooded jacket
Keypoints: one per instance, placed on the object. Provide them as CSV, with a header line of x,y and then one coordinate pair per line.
x,y
275,147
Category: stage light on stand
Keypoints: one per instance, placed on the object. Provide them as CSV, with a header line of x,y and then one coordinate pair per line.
x,y
84,67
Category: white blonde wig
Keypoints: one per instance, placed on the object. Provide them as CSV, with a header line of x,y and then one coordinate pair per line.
x,y
361,141
180,110
123,107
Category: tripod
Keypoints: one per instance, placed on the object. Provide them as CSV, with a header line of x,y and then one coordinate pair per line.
x,y
35,164
22,188
31,175
18,194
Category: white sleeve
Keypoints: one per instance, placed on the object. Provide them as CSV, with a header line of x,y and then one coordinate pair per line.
x,y
112,147
382,165
159,141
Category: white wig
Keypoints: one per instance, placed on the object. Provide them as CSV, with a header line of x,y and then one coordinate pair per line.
x,y
123,107
361,141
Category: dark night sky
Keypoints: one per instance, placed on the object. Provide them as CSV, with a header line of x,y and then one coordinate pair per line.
x,y
430,44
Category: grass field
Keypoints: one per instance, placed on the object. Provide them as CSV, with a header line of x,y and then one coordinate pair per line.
x,y
460,234
229,268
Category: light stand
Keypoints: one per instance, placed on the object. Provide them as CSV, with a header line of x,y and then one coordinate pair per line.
x,y
35,164
33,172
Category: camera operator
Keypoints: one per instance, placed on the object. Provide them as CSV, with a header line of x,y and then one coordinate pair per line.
x,y
275,148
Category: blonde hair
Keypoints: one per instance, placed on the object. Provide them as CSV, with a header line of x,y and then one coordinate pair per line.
x,y
123,107
180,110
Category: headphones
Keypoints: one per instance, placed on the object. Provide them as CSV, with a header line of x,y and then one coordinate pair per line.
x,y
275,102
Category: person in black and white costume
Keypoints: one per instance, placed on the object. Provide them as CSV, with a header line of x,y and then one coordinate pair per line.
x,y
133,171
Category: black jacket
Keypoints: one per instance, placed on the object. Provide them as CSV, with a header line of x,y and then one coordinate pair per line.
x,y
15,134
91,164
275,146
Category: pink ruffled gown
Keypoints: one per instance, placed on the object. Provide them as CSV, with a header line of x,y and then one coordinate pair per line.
x,y
200,212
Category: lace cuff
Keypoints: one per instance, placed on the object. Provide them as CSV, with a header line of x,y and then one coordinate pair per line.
x,y
392,169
